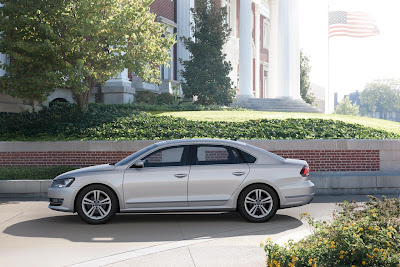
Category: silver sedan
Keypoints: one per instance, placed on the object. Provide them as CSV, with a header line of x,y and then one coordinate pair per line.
x,y
186,175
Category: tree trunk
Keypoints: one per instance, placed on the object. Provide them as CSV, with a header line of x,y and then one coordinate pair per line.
x,y
82,99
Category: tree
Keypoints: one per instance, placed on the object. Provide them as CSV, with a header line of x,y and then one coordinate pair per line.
x,y
305,87
27,37
345,107
85,43
381,95
206,72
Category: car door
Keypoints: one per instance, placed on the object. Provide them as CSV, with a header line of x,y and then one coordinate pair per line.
x,y
162,182
216,174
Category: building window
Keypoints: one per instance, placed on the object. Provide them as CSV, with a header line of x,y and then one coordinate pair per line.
x,y
231,14
227,4
265,33
162,72
265,81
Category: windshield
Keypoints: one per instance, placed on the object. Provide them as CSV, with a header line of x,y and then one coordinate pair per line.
x,y
135,155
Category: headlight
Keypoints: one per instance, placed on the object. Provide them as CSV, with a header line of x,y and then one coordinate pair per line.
x,y
62,182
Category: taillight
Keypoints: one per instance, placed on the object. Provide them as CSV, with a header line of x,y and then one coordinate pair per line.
x,y
305,172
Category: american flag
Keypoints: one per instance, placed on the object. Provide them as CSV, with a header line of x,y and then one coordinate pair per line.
x,y
353,24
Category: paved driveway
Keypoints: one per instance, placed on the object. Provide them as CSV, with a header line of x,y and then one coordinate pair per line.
x,y
33,235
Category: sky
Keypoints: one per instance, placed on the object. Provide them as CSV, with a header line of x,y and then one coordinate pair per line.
x,y
353,62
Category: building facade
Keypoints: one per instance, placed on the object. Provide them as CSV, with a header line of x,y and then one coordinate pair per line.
x,y
263,49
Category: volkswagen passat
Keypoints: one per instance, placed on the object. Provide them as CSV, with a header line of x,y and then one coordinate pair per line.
x,y
186,175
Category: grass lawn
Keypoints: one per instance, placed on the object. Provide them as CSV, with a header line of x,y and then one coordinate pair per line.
x,y
254,115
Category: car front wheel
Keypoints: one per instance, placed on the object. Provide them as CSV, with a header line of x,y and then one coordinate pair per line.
x,y
258,203
96,204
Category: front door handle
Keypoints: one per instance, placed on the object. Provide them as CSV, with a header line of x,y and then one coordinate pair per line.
x,y
180,175
238,173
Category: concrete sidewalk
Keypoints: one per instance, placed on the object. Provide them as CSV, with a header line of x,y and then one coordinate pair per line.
x,y
33,235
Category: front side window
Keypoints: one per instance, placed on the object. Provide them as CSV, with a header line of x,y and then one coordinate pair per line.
x,y
173,156
207,155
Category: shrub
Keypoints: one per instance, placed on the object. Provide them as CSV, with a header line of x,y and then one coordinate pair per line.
x,y
124,122
32,173
146,97
359,235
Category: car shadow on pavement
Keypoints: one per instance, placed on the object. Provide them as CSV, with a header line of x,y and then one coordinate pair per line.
x,y
151,227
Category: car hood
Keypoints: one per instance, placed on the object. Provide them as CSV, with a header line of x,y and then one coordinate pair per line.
x,y
103,167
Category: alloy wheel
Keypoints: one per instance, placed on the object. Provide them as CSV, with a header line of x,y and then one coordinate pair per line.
x,y
96,204
258,203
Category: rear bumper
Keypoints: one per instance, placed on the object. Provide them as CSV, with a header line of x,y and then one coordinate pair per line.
x,y
297,195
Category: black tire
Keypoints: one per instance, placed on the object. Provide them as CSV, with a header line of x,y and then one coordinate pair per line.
x,y
102,213
259,214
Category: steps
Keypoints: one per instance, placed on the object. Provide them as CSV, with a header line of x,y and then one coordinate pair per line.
x,y
277,105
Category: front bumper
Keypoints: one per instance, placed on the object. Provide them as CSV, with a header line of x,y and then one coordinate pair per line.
x,y
65,193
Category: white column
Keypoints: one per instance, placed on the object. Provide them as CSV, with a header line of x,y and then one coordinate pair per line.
x,y
294,50
3,60
184,18
257,41
245,51
273,72
120,80
118,90
284,45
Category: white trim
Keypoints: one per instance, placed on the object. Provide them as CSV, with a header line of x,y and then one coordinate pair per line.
x,y
266,29
166,21
264,10
265,79
231,5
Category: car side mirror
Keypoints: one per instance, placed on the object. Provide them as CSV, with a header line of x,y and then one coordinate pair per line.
x,y
138,164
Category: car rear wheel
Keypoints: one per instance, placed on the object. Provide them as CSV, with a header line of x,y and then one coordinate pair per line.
x,y
96,204
258,203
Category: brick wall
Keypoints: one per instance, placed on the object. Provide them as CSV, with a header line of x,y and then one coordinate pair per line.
x,y
164,8
319,160
322,155
336,160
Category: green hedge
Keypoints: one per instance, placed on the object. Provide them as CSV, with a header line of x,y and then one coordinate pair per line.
x,y
124,122
359,235
32,173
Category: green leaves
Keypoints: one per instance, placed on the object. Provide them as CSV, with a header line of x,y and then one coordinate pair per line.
x,y
345,107
383,96
305,87
86,41
358,235
206,73
125,122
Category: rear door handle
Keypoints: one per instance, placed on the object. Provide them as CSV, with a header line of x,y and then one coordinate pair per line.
x,y
238,173
180,175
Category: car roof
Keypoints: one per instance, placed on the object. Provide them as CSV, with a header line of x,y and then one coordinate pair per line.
x,y
200,141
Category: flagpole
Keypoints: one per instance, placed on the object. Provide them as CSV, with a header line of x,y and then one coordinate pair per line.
x,y
328,91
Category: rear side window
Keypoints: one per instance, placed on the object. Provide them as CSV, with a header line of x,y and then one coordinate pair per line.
x,y
247,157
208,155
